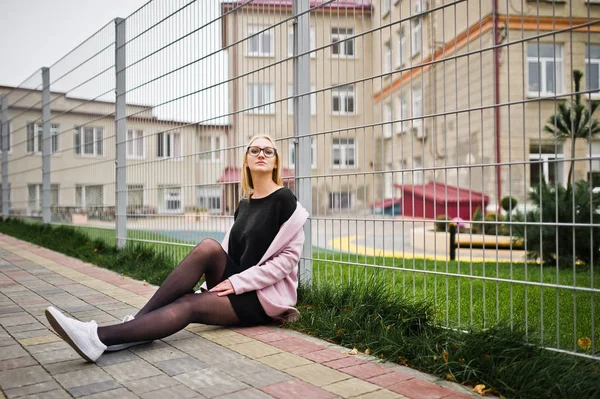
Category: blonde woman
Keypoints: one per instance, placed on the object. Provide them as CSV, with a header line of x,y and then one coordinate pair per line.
x,y
251,277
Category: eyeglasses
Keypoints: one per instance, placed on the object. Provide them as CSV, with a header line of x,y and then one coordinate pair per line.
x,y
268,152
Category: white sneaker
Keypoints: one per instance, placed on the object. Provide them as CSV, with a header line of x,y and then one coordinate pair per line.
x,y
83,337
119,347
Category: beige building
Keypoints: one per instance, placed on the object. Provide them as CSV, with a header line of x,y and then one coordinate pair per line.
x,y
171,165
258,38
440,75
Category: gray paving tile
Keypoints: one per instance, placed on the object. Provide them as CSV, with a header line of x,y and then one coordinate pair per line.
x,y
183,334
180,365
240,367
79,378
36,389
211,382
206,351
175,392
120,393
26,327
110,358
264,378
12,352
16,378
56,394
135,370
158,355
32,334
68,366
9,309
18,362
247,394
49,347
8,341
150,384
62,355
91,389
16,320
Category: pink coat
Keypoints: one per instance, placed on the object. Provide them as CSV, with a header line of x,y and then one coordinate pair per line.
x,y
275,277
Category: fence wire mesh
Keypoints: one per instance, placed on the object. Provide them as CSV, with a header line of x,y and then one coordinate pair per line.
x,y
449,146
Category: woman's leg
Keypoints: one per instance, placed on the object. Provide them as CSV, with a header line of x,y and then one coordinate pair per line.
x,y
207,258
207,308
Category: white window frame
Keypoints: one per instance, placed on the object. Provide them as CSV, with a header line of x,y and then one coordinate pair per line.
x,y
136,187
341,40
134,137
9,138
594,165
402,108
333,202
387,116
343,93
252,29
268,94
545,158
164,192
79,149
416,40
169,138
418,175
595,61
38,200
37,137
216,144
313,154
559,68
84,188
417,106
386,7
313,43
313,100
350,143
401,47
209,193
387,57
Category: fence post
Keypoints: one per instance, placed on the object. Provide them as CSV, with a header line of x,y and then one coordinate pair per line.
x,y
4,144
302,139
121,134
46,145
452,241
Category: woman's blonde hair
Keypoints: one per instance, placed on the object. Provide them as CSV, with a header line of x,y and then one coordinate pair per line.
x,y
247,184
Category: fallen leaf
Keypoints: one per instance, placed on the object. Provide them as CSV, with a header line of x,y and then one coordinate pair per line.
x,y
340,332
450,377
584,343
480,389
367,351
445,356
354,351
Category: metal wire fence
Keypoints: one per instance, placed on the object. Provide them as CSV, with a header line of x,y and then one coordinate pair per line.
x,y
396,122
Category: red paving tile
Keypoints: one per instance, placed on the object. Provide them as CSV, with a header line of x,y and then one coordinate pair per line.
x,y
271,337
325,355
419,389
297,345
17,274
345,362
5,283
365,371
253,331
392,378
296,389
458,396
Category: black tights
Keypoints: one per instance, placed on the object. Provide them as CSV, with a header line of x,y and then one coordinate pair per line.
x,y
173,306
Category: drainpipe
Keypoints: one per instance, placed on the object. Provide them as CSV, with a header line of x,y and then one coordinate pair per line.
x,y
497,101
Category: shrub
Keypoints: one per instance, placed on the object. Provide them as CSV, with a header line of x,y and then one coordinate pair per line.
x,y
509,203
556,240
442,223
494,225
476,228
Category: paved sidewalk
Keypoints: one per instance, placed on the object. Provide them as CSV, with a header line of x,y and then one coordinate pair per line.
x,y
199,362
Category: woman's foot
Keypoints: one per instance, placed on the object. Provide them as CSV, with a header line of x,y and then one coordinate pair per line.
x,y
83,337
119,347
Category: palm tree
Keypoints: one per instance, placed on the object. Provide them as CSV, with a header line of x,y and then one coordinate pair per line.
x,y
574,121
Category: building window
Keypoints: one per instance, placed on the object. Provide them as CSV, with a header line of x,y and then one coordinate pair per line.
x,y
313,156
35,198
340,45
313,43
261,44
135,198
169,145
34,137
313,100
387,57
386,5
340,200
88,141
211,148
402,107
170,199
343,153
260,98
387,120
401,47
545,69
418,172
592,67
135,144
594,173
546,162
416,38
343,100
89,196
209,198
7,144
417,105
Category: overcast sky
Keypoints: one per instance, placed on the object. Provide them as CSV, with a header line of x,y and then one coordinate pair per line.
x,y
180,78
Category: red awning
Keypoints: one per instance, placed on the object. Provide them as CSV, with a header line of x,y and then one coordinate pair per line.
x,y
233,175
441,192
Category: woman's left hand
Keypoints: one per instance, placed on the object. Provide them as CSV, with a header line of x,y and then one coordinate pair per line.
x,y
223,288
